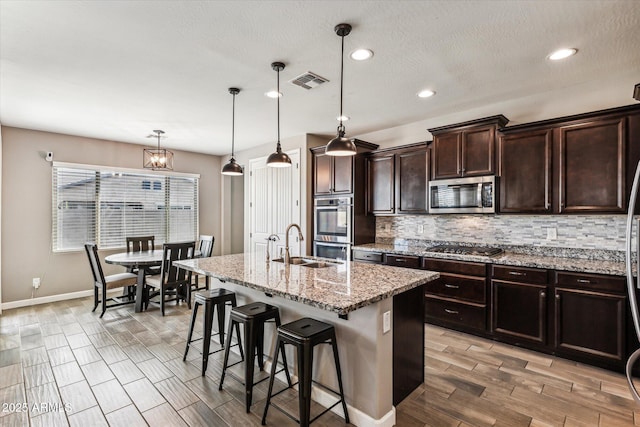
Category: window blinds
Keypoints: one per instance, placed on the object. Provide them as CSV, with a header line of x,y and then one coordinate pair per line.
x,y
93,204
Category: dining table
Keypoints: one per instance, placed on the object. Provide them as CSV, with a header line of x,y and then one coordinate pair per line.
x,y
140,260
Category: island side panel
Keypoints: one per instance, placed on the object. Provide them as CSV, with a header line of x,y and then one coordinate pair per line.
x,y
408,343
365,353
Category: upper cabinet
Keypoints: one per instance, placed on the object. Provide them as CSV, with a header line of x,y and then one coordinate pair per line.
x,y
576,164
397,180
465,149
336,174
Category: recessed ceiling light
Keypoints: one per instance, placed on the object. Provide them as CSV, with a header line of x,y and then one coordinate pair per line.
x,y
343,118
426,93
562,54
273,94
361,54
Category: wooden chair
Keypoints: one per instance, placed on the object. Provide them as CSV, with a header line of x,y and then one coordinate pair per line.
x,y
102,283
205,249
142,243
173,282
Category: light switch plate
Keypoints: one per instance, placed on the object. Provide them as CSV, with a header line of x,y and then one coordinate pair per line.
x,y
552,233
386,322
420,229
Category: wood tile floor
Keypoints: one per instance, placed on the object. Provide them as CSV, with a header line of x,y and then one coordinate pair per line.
x,y
62,365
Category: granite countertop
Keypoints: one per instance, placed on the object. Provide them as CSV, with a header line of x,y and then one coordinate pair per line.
x,y
341,288
568,260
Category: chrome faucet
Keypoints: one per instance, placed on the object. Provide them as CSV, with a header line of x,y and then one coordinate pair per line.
x,y
286,247
271,238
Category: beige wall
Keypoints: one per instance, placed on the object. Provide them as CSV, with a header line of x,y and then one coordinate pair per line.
x,y
26,206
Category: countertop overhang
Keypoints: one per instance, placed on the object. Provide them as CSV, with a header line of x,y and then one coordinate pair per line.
x,y
579,265
341,288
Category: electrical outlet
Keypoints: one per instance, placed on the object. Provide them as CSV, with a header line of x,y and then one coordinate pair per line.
x,y
387,227
36,282
552,233
386,322
420,229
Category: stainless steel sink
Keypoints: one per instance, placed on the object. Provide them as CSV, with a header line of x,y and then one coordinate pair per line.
x,y
310,263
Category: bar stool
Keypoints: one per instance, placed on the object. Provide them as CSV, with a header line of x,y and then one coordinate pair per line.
x,y
253,316
211,299
305,334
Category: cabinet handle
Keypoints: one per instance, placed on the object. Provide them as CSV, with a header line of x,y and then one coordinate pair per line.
x,y
583,281
543,294
517,273
450,311
558,297
451,286
400,260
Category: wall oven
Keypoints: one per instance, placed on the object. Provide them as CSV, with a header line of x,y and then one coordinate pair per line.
x,y
463,195
331,250
332,218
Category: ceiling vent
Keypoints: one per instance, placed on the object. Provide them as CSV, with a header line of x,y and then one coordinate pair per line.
x,y
308,80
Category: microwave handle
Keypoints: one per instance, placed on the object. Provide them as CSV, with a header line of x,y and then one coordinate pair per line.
x,y
479,196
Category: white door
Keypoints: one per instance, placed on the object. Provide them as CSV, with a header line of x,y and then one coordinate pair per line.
x,y
274,203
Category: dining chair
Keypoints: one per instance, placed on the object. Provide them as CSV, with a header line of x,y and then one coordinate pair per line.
x,y
173,283
142,243
205,249
102,283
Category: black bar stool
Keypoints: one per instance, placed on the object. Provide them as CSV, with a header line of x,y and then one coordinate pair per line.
x,y
305,334
253,316
211,299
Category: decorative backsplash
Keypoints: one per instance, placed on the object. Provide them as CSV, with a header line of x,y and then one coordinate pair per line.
x,y
573,231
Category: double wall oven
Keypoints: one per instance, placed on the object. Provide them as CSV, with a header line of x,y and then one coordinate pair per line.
x,y
333,227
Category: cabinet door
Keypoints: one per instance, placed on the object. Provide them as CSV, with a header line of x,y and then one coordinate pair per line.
x,y
342,175
592,167
590,323
411,182
380,189
322,174
519,311
525,172
446,155
478,151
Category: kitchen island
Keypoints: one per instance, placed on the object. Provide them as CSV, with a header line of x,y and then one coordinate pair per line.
x,y
379,367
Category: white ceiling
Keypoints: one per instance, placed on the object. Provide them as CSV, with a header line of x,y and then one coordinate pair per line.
x,y
118,70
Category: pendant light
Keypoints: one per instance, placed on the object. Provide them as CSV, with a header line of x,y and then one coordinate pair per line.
x,y
232,168
157,158
278,159
340,145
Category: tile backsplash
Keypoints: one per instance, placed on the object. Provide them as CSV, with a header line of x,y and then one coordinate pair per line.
x,y
573,231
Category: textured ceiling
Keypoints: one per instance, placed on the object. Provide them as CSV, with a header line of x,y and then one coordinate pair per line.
x,y
118,70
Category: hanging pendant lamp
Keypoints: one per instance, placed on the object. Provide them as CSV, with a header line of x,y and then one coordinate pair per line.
x,y
157,158
340,145
279,159
232,168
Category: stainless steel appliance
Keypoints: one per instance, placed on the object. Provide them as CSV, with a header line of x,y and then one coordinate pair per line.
x,y
333,218
632,284
463,195
331,250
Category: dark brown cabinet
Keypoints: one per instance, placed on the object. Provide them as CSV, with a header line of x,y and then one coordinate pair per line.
x,y
590,317
397,180
525,172
592,166
465,149
458,297
332,174
519,311
407,261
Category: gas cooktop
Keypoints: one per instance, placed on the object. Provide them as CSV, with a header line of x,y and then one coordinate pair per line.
x,y
466,250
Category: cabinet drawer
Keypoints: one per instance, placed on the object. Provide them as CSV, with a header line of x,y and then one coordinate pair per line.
x,y
456,267
470,315
520,274
367,256
458,287
597,282
403,261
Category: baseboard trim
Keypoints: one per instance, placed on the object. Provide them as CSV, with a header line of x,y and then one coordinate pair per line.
x,y
51,298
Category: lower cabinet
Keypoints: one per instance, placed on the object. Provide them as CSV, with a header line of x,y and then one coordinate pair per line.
x,y
519,310
459,297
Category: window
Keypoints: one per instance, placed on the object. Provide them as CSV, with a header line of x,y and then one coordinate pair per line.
x,y
95,204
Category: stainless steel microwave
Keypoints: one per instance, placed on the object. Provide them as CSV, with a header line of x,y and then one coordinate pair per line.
x,y
463,195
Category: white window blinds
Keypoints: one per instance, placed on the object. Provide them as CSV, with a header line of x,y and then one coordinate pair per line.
x,y
105,206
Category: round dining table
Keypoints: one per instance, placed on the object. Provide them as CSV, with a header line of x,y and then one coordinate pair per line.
x,y
140,260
